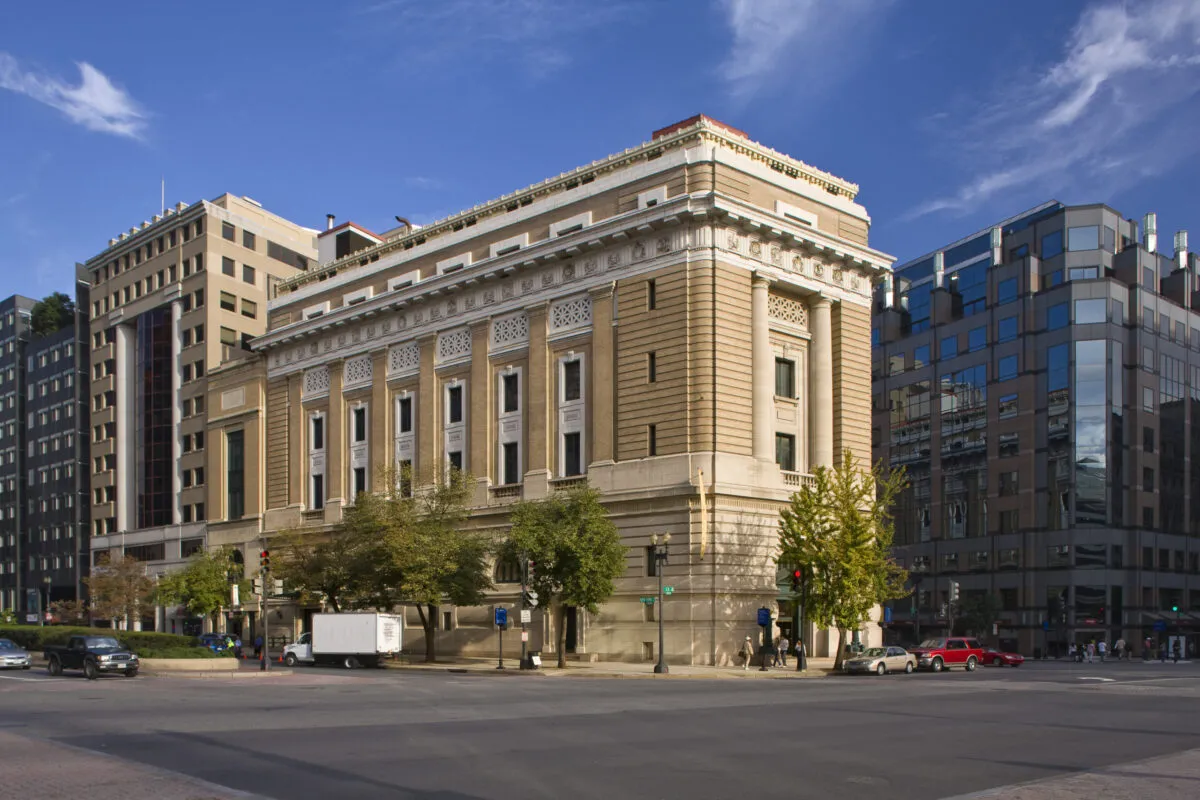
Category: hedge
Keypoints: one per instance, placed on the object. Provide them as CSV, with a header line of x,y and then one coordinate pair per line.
x,y
144,643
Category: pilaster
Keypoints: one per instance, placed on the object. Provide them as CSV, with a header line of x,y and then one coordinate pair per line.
x,y
820,383
763,370
537,467
602,385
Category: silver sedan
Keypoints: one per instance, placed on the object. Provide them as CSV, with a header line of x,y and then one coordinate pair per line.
x,y
13,657
882,660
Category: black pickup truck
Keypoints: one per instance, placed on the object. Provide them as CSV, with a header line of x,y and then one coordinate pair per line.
x,y
94,655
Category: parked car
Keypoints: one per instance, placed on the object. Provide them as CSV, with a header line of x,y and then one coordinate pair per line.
x,y
997,658
13,657
92,654
882,660
953,651
218,642
350,640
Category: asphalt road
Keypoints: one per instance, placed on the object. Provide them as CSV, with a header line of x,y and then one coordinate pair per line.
x,y
330,734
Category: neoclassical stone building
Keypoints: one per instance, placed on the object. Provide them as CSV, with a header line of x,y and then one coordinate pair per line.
x,y
698,304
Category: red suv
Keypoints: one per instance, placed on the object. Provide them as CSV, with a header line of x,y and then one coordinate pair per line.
x,y
954,651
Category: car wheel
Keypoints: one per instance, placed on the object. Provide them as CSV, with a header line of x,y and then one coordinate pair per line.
x,y
54,666
971,662
997,662
350,663
881,669
938,665
131,673
908,668
290,659
1016,664
90,671
25,667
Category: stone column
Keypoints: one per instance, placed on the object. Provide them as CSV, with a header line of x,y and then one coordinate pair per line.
x,y
820,382
601,385
297,441
177,414
763,366
479,395
336,451
430,457
537,418
381,448
125,386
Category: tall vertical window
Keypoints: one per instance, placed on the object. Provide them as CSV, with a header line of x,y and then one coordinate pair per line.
x,y
455,458
651,367
785,377
651,295
235,465
785,451
572,380
318,492
512,393
651,440
360,480
360,424
316,462
455,402
511,463
406,478
572,454
316,437
405,421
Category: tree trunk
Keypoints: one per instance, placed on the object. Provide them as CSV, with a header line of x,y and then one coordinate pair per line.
x,y
428,616
560,634
841,649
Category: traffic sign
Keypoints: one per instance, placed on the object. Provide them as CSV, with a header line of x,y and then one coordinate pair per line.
x,y
501,617
648,600
668,590
764,616
526,616
887,613
524,636
1160,625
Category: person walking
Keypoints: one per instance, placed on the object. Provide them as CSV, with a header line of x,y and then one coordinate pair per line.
x,y
1175,650
1102,649
1147,649
746,653
1071,654
1091,651
258,643
781,652
801,654
1119,647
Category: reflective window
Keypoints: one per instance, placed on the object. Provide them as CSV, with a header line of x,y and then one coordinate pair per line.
x,y
1009,405
1090,311
1006,329
1018,252
1084,273
1083,238
915,300
1057,316
968,250
1006,368
920,356
949,347
970,283
1109,242
1052,245
1054,279
1006,291
976,339
1057,367
1091,440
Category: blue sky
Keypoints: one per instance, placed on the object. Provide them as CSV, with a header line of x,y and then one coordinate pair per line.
x,y
950,115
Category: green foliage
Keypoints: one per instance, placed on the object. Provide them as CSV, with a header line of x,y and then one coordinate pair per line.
x,y
977,612
839,530
119,590
51,314
575,550
180,652
70,612
203,585
143,643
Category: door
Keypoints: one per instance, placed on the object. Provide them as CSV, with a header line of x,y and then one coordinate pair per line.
x,y
572,629
956,651
303,647
895,659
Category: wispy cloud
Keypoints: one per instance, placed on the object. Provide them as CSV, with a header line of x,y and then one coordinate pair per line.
x,y
423,182
1118,105
775,40
96,103
536,33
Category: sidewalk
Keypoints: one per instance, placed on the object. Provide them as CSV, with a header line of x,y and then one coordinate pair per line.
x,y
817,668
51,771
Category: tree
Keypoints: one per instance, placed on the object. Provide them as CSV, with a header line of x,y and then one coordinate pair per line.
x,y
977,612
574,550
119,589
203,585
840,530
51,314
70,612
321,570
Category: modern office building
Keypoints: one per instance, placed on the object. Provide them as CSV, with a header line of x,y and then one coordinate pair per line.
x,y
170,300
1039,380
43,454
696,304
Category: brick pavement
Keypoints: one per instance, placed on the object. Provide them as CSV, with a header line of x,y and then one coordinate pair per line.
x,y
51,771
1167,778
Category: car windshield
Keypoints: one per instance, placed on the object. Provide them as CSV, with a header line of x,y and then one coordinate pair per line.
x,y
875,652
7,644
102,643
933,643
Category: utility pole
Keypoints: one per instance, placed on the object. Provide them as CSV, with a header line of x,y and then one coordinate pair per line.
x,y
264,565
660,559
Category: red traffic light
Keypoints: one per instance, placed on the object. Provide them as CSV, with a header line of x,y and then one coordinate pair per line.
x,y
796,574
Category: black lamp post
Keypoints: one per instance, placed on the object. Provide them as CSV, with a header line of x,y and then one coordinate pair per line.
x,y
46,581
659,543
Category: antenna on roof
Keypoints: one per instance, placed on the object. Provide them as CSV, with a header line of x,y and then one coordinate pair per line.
x,y
164,197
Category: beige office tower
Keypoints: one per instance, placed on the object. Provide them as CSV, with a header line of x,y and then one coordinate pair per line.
x,y
172,299
692,311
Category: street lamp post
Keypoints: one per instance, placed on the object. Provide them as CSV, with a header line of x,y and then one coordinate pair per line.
x,y
659,543
798,634
46,581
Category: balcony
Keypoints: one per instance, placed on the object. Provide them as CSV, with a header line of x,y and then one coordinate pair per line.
x,y
506,493
797,480
567,484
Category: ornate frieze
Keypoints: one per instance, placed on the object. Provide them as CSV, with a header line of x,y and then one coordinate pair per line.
x,y
316,382
510,331
356,372
404,359
453,345
571,314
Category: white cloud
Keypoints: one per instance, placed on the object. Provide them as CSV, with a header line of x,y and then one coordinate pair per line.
x,y
1117,106
95,103
775,39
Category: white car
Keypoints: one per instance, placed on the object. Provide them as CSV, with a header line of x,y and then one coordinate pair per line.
x,y
13,657
299,652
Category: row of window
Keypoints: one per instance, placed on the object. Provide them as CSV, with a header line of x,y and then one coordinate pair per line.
x,y
150,283
229,267
193,335
46,563
154,247
229,302
51,356
47,415
51,444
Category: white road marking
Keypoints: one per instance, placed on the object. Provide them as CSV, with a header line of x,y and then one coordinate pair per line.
x,y
1104,680
15,678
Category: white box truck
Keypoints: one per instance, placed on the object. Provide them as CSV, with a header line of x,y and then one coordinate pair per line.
x,y
348,640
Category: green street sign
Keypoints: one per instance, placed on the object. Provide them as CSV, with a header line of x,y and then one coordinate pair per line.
x,y
668,590
648,600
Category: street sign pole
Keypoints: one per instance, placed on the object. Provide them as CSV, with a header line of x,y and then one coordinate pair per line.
x,y
501,623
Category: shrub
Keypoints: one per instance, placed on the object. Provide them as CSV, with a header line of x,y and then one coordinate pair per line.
x,y
141,642
178,652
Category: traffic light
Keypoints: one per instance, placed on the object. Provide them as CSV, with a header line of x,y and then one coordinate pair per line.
x,y
264,561
1175,609
529,598
953,591
795,581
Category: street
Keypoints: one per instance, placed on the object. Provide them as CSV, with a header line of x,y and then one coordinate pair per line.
x,y
328,733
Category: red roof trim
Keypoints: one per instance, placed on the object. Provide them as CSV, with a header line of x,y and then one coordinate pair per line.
x,y
353,225
661,132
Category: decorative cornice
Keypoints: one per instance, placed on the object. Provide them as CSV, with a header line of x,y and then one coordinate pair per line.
x,y
703,130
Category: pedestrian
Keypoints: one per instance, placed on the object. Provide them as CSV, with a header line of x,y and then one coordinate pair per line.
x,y
258,643
1071,654
1119,648
1147,649
1091,651
1175,650
800,654
746,653
781,652
1102,649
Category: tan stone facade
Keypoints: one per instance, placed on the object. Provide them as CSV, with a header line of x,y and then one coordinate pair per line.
x,y
699,303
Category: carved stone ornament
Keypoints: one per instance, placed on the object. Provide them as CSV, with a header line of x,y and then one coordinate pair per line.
x,y
775,256
590,267
819,270
639,250
663,245
756,249
569,272
489,296
614,260
734,240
